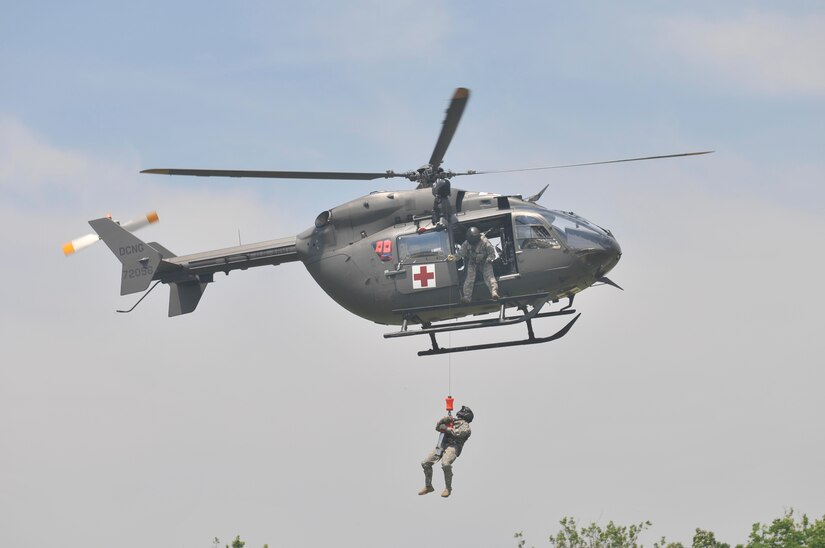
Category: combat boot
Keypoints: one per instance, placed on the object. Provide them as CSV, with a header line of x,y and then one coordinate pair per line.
x,y
465,300
426,489
448,480
494,295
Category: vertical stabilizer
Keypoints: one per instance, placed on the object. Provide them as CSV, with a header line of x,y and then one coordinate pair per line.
x,y
140,261
184,297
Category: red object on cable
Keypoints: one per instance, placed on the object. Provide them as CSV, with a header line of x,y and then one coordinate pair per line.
x,y
449,401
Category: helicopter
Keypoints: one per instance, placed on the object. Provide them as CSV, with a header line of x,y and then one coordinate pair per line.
x,y
391,256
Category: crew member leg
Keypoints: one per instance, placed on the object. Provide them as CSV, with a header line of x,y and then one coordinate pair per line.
x,y
427,465
437,214
490,280
469,282
441,204
447,465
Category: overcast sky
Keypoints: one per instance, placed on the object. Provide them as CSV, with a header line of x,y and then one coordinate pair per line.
x,y
691,399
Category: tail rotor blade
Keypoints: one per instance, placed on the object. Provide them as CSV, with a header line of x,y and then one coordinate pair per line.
x,y
73,246
77,244
140,222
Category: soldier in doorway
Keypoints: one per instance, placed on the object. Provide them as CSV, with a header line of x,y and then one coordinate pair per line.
x,y
456,432
478,254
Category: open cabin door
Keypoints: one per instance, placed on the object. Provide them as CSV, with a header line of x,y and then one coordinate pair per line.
x,y
423,260
498,230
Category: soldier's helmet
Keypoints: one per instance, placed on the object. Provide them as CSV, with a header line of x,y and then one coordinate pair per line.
x,y
465,414
473,235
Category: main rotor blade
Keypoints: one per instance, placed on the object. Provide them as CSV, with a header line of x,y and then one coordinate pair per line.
x,y
588,163
454,112
346,175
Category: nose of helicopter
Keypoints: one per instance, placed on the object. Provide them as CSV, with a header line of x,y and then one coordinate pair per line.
x,y
602,257
611,255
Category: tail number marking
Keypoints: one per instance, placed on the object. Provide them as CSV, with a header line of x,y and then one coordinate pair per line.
x,y
137,272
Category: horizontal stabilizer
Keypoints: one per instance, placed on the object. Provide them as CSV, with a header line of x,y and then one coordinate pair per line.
x,y
164,253
184,297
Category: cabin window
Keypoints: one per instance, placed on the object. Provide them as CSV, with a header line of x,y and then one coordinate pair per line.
x,y
531,233
427,246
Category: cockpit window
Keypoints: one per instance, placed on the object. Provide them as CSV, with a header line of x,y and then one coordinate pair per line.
x,y
576,232
531,233
424,247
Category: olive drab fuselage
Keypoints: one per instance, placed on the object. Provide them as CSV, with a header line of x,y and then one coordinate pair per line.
x,y
393,257
381,253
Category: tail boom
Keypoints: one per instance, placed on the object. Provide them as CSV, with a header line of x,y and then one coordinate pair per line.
x,y
186,275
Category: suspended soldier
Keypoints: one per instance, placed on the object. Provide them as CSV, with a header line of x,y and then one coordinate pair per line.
x,y
478,254
456,432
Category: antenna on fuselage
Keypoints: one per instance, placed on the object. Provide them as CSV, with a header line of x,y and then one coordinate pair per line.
x,y
535,197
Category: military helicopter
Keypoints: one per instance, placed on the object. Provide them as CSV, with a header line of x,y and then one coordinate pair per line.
x,y
390,256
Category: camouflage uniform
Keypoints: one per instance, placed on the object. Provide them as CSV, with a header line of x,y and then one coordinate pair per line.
x,y
478,256
454,439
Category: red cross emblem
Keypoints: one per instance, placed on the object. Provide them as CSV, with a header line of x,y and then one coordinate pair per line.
x,y
422,275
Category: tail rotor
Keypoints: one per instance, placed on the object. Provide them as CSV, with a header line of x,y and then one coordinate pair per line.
x,y
73,246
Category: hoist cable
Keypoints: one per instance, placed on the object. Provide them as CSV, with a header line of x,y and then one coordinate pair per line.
x,y
450,336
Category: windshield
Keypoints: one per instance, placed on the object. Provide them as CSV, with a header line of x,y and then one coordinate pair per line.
x,y
577,232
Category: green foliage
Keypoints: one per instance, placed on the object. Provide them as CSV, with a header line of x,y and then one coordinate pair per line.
x,y
784,532
706,539
663,543
701,539
787,532
592,536
237,543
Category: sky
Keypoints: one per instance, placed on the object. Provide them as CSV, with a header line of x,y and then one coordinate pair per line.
x,y
691,399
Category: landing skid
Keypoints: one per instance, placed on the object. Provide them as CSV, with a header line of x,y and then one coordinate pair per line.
x,y
531,339
527,317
